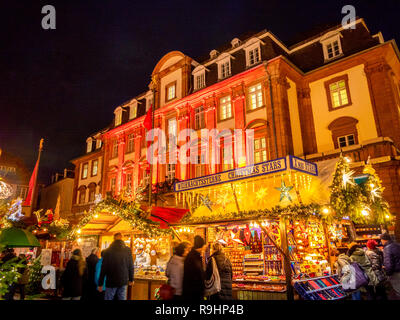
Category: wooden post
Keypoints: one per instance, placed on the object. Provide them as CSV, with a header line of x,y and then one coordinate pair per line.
x,y
287,267
326,235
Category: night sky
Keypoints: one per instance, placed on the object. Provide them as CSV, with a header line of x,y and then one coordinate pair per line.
x,y
64,84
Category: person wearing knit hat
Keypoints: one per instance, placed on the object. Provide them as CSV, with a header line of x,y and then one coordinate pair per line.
x,y
376,257
391,261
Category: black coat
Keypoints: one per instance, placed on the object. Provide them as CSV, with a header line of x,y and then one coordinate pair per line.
x,y
391,254
117,265
71,280
225,273
90,286
193,277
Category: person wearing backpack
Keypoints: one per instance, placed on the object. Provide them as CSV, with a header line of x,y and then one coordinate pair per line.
x,y
224,268
347,275
376,257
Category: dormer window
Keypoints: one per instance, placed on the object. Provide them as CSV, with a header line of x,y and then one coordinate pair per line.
x,y
118,117
235,43
253,52
213,54
89,145
149,100
331,45
199,77
133,110
224,66
98,144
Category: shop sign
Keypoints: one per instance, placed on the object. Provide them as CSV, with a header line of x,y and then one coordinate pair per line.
x,y
259,169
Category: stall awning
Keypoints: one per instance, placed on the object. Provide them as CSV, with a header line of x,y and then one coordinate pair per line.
x,y
167,216
18,238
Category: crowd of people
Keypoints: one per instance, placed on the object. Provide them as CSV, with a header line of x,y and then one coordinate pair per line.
x,y
372,273
198,271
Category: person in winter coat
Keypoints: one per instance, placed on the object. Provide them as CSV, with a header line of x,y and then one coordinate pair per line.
x,y
117,266
391,261
344,272
376,257
225,272
357,254
193,272
175,266
73,275
100,295
90,285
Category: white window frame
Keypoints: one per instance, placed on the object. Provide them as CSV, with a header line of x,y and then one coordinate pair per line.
x,y
258,93
225,107
93,166
224,61
199,118
250,46
338,91
329,39
346,140
173,130
261,150
199,73
200,167
133,111
85,173
89,145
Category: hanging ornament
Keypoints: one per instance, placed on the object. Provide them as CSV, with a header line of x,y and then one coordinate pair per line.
x,y
206,201
347,178
6,190
261,194
284,191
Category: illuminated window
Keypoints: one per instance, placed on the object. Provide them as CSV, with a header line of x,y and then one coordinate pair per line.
x,y
199,118
260,150
85,168
346,141
171,91
98,144
338,93
170,172
131,143
172,131
89,146
129,182
200,81
225,107
82,196
225,69
255,97
95,164
200,166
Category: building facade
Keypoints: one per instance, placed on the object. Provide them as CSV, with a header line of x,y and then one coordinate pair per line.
x,y
336,91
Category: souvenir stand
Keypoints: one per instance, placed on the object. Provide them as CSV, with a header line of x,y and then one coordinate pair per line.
x,y
268,217
150,247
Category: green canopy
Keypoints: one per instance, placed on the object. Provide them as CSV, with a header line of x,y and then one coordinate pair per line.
x,y
18,238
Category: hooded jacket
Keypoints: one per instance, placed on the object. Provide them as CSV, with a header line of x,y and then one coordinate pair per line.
x,y
391,254
72,277
117,265
362,259
376,258
174,273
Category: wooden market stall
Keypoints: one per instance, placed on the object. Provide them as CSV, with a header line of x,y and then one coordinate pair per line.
x,y
268,217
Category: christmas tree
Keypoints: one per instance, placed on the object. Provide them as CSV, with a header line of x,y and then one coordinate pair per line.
x,y
372,190
35,277
346,198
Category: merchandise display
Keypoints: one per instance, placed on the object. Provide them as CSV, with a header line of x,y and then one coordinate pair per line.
x,y
321,288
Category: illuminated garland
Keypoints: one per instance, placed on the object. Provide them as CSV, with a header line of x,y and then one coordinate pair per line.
x,y
126,210
297,211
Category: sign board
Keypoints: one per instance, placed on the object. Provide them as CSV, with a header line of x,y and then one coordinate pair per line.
x,y
45,259
259,169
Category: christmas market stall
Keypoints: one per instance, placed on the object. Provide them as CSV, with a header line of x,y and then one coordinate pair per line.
x,y
146,233
277,221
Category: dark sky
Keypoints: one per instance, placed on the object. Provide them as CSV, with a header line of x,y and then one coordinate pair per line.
x,y
64,84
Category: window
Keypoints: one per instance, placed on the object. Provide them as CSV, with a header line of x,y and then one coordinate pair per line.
x,y
98,144
200,170
112,184
199,118
82,196
331,45
92,194
114,149
146,176
344,132
95,164
170,172
133,111
225,69
149,103
260,150
225,108
200,81
254,56
89,146
333,49
255,97
172,131
118,117
129,182
85,169
337,91
131,143
346,141
170,91
227,159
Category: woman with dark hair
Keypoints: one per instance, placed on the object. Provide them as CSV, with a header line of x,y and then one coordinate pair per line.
x,y
97,276
175,266
72,277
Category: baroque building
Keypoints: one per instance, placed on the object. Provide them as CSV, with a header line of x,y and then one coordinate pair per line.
x,y
337,91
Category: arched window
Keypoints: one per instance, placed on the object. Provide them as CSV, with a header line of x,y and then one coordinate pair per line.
x,y
344,132
92,191
81,194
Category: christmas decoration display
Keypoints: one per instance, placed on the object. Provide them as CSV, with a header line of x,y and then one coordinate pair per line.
x,y
6,190
12,215
129,211
57,228
284,191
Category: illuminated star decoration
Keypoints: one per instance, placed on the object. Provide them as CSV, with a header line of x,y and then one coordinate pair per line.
x,y
206,201
15,211
261,194
347,178
285,191
375,193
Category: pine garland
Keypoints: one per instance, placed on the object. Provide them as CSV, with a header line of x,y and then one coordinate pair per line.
x,y
127,210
